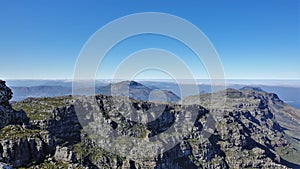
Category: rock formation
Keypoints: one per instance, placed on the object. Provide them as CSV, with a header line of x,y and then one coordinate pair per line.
x,y
7,114
243,133
19,145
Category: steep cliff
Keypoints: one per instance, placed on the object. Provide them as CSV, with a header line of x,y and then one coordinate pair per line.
x,y
20,145
7,114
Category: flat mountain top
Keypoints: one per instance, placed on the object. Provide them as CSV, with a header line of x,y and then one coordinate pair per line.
x,y
252,99
258,89
137,91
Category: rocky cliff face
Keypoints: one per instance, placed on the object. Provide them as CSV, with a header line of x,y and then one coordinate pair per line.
x,y
62,123
242,134
248,121
7,114
20,145
24,147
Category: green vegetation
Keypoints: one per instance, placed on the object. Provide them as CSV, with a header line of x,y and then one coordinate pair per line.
x,y
41,108
140,131
94,153
52,165
289,153
17,131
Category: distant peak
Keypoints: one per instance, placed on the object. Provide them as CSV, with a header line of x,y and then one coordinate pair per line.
x,y
128,82
134,83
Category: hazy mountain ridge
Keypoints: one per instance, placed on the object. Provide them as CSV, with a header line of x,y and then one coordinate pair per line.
x,y
289,93
137,91
21,93
125,88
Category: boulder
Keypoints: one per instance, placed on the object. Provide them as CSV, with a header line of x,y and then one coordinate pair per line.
x,y
64,154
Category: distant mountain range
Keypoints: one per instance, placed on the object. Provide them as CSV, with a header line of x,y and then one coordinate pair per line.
x,y
131,89
137,91
21,93
48,88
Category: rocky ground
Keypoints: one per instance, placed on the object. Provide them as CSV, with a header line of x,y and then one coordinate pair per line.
x,y
242,133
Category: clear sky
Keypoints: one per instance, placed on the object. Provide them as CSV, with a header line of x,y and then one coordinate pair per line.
x,y
255,39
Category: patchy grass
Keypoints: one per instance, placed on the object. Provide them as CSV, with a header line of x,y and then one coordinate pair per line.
x,y
17,131
289,153
41,108
52,165
94,153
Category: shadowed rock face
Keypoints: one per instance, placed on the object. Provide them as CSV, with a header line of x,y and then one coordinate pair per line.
x,y
5,109
26,148
5,93
254,110
62,123
245,134
251,99
7,114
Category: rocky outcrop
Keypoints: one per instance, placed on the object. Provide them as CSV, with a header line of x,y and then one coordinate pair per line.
x,y
20,145
64,154
7,114
5,93
63,124
5,166
246,134
23,147
247,129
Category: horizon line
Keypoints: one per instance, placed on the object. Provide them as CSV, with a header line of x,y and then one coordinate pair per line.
x,y
151,79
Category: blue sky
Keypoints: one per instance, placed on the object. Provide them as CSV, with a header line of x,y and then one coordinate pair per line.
x,y
255,39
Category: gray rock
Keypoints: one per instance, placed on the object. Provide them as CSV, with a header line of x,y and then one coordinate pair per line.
x,y
246,133
5,166
7,114
64,154
5,93
25,150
